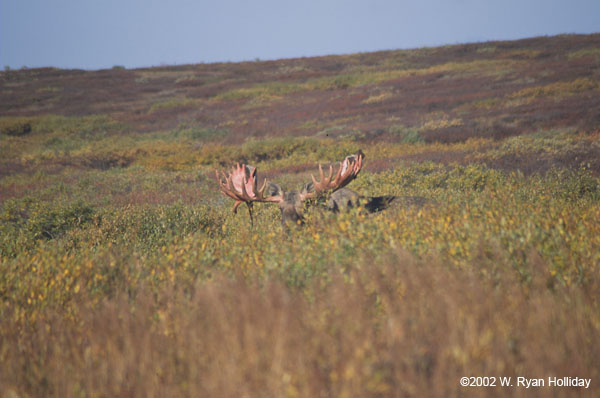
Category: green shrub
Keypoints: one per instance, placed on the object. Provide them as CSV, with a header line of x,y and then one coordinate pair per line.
x,y
149,228
198,133
573,185
86,127
406,135
27,221
15,127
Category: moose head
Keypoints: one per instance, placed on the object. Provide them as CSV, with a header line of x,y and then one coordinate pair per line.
x,y
242,186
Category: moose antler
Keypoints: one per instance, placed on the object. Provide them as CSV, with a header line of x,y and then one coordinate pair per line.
x,y
241,185
348,171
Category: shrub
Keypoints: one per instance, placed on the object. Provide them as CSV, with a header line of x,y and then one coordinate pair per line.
x,y
149,228
406,135
27,221
575,184
198,133
15,127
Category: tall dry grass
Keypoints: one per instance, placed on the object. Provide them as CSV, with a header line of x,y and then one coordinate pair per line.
x,y
402,327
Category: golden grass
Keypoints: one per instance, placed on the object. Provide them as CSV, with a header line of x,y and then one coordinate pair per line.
x,y
390,326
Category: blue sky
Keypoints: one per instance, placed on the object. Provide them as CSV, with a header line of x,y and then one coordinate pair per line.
x,y
96,34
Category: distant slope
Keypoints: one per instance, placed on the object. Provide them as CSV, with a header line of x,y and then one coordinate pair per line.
x,y
447,94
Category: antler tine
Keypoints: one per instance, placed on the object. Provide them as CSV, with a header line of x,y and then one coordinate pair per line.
x,y
261,191
231,192
244,192
240,185
347,171
323,182
314,180
255,195
359,163
258,192
320,175
340,171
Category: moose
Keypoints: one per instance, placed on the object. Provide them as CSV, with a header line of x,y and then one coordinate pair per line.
x,y
241,185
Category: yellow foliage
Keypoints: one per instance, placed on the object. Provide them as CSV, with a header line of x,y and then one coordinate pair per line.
x,y
558,89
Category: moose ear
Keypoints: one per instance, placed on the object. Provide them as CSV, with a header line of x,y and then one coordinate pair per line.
x,y
307,188
274,190
307,191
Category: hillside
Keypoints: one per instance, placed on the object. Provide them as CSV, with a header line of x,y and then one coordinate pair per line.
x,y
489,90
124,272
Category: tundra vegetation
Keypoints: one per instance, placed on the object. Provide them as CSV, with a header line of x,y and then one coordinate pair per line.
x,y
123,271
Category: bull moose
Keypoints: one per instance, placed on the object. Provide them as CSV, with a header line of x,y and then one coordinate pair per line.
x,y
241,185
